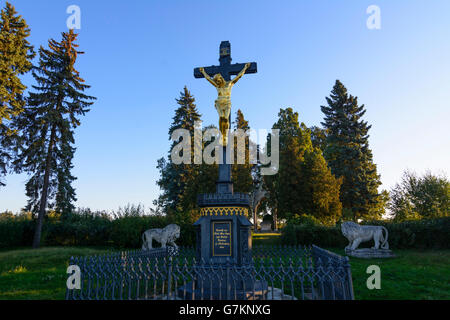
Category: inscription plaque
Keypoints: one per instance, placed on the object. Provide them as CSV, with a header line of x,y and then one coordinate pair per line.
x,y
221,239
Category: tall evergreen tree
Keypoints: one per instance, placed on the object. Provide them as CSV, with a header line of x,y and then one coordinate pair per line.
x,y
242,173
349,156
16,54
47,126
177,181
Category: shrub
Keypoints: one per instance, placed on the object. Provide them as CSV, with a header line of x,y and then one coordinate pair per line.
x,y
308,234
78,230
15,230
421,234
126,232
304,219
86,228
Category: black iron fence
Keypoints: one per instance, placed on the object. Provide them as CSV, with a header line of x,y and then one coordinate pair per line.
x,y
278,273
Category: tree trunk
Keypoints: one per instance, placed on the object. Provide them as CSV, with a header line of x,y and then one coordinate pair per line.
x,y
43,202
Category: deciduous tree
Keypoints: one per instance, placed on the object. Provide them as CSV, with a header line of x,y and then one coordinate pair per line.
x,y
420,197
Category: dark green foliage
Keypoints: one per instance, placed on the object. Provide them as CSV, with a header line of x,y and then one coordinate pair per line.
x,y
348,154
307,219
15,230
241,174
48,121
318,137
420,197
47,126
177,181
420,234
304,184
181,183
321,197
307,234
16,54
85,228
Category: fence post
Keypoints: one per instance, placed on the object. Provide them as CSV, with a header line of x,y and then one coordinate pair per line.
x,y
169,279
349,280
228,278
69,291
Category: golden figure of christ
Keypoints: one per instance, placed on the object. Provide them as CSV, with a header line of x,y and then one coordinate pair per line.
x,y
223,102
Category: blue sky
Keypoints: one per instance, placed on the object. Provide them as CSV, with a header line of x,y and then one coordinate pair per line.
x,y
140,55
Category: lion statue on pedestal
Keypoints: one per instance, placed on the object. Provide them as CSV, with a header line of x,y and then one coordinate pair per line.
x,y
165,236
356,234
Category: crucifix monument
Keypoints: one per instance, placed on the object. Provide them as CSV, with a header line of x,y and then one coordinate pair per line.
x,y
220,77
223,230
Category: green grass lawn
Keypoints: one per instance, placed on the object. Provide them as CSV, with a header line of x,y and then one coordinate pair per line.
x,y
265,238
41,274
37,274
412,275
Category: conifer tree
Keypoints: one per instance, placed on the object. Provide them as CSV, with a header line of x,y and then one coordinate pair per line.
x,y
242,173
47,126
16,54
207,174
349,156
177,181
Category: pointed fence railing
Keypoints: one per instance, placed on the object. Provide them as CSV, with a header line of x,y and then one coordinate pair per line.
x,y
276,273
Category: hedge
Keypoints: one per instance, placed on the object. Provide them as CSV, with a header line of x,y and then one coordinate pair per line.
x,y
420,234
87,230
90,229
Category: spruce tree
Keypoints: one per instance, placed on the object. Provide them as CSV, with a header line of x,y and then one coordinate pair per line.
x,y
177,181
207,174
242,173
349,156
47,126
16,54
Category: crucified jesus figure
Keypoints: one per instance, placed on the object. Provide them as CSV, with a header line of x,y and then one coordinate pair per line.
x,y
223,102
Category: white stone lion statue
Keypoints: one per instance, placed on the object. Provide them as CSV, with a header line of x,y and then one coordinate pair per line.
x,y
357,234
165,236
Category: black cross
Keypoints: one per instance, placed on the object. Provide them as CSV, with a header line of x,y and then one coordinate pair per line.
x,y
226,69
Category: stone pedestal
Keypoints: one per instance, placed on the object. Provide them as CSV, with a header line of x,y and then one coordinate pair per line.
x,y
223,250
223,230
368,253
